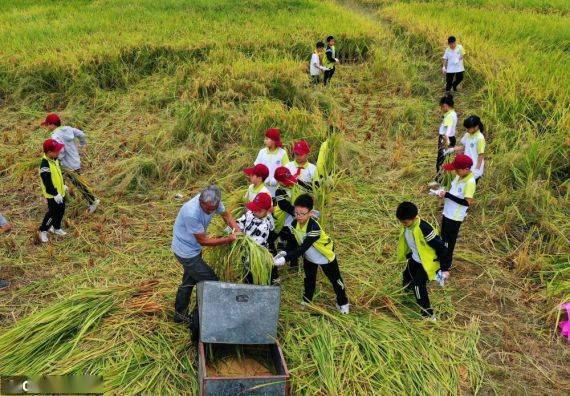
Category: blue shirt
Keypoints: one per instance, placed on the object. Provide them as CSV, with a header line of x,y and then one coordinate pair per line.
x,y
191,220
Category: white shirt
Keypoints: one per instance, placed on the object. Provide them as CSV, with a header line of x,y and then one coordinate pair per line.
x,y
454,59
461,188
448,124
256,228
408,234
69,156
474,145
315,67
308,171
272,160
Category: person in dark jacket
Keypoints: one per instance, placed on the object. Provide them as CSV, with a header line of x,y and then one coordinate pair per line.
x,y
330,60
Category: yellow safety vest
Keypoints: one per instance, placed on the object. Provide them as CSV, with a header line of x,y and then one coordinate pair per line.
x,y
426,252
324,244
56,177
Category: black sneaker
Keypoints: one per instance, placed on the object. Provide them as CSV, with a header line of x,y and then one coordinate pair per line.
x,y
4,284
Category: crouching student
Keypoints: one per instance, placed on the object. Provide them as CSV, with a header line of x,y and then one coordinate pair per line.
x,y
317,249
53,190
425,252
457,200
257,223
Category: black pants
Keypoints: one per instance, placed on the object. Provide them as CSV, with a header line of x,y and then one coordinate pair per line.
x,y
195,270
74,176
332,272
328,75
441,157
452,80
415,279
287,243
54,215
449,233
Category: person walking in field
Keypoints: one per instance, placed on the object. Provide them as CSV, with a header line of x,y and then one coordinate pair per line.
x,y
457,200
53,190
317,250
446,134
473,145
72,139
273,155
190,236
315,67
425,253
330,60
453,67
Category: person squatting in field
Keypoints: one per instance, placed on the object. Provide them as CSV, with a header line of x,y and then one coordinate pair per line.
x,y
69,157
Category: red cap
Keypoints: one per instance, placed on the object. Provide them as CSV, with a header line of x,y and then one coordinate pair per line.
x,y
283,175
301,147
51,119
275,135
258,170
52,145
260,202
461,161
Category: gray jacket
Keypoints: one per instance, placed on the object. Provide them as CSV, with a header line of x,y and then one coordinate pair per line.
x,y
70,137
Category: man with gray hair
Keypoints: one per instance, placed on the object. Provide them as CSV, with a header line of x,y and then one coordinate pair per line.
x,y
190,236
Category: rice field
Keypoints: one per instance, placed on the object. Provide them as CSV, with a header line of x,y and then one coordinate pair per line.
x,y
175,94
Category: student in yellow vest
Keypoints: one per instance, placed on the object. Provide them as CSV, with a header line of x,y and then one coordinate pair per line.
x,y
273,155
53,190
457,200
317,250
330,60
425,252
257,175
473,145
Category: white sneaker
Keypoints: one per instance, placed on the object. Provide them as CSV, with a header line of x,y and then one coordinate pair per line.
x,y
431,318
343,309
59,232
93,207
43,237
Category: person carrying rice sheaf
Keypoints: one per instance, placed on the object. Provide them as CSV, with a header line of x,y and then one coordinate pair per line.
x,y
190,236
258,224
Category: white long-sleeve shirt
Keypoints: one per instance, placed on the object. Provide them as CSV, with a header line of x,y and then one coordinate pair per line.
x,y
70,137
316,68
